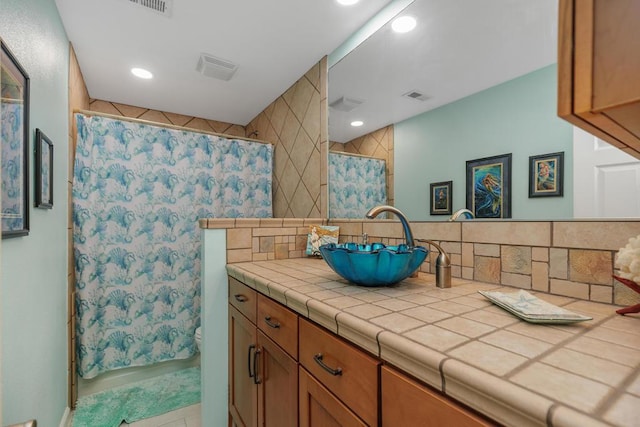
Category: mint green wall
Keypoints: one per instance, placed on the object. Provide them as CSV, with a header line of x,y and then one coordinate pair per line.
x,y
34,268
517,117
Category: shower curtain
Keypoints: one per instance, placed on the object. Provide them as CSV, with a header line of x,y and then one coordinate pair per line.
x,y
138,192
356,184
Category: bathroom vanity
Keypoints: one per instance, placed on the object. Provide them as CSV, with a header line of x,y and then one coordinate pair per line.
x,y
413,354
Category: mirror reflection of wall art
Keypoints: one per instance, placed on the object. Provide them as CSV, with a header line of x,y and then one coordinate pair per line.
x,y
441,196
44,171
546,173
489,186
14,107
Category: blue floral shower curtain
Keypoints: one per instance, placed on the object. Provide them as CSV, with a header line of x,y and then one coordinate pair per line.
x,y
138,192
356,184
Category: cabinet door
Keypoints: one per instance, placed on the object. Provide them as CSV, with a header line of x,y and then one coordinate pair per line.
x,y
405,402
320,408
278,388
243,393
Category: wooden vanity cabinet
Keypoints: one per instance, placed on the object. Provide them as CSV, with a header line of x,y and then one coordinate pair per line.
x,y
263,367
406,402
598,69
341,370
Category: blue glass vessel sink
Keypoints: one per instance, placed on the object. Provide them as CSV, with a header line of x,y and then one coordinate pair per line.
x,y
375,264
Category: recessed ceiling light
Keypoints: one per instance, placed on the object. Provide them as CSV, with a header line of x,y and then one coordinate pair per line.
x,y
357,123
404,24
142,73
347,2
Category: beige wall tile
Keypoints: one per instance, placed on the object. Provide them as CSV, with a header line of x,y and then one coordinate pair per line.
x,y
518,280
569,289
540,254
440,231
467,255
281,251
239,255
516,259
605,235
388,228
559,263
239,238
467,273
590,266
602,294
622,295
507,232
540,276
274,231
486,250
487,269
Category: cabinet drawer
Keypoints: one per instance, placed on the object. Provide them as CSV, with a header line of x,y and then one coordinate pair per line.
x,y
243,298
278,323
408,403
346,371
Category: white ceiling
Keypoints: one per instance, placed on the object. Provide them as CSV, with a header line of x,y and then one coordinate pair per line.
x,y
273,42
458,48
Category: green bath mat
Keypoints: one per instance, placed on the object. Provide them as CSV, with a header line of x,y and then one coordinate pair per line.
x,y
140,400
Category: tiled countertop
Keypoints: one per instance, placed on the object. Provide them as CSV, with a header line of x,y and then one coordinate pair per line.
x,y
520,374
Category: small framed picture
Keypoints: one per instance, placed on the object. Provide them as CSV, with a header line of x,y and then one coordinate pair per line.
x,y
489,186
546,173
44,171
441,196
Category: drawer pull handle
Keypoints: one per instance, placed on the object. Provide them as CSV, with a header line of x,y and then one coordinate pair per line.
x,y
241,298
251,347
335,372
256,378
268,321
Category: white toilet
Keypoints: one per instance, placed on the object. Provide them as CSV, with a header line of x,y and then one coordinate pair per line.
x,y
198,337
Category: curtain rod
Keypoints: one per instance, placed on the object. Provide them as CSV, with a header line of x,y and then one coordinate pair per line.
x,y
165,125
356,155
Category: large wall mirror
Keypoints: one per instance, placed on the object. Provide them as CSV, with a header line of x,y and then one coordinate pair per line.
x,y
475,79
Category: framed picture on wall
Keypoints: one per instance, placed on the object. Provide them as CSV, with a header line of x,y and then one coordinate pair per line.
x,y
44,171
14,105
546,175
441,196
489,186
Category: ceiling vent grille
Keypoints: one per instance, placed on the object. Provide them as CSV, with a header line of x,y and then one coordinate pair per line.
x,y
346,104
217,68
163,7
416,94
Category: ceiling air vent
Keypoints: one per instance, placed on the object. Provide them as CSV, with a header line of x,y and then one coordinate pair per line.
x,y
346,104
217,68
163,7
415,94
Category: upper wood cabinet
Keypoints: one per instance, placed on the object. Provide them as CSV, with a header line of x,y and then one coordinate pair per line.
x,y
599,69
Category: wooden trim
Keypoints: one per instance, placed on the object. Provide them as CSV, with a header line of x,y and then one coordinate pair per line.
x,y
565,60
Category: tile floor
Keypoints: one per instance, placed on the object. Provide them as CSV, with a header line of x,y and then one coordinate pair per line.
x,y
184,417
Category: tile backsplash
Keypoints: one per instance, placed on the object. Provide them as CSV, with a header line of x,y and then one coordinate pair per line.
x,y
569,258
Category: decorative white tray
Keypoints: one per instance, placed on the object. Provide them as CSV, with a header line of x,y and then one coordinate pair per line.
x,y
532,309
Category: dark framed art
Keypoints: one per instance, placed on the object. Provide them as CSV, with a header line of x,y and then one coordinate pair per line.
x,y
44,171
441,196
14,170
489,186
546,175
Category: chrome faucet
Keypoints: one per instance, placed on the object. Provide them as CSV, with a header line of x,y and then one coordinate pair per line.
x,y
374,212
460,212
443,265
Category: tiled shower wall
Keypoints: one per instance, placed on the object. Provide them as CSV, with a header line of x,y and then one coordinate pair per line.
x,y
296,124
574,259
377,144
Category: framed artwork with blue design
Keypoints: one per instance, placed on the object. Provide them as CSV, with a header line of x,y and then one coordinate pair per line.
x,y
546,175
44,171
489,186
14,170
441,196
